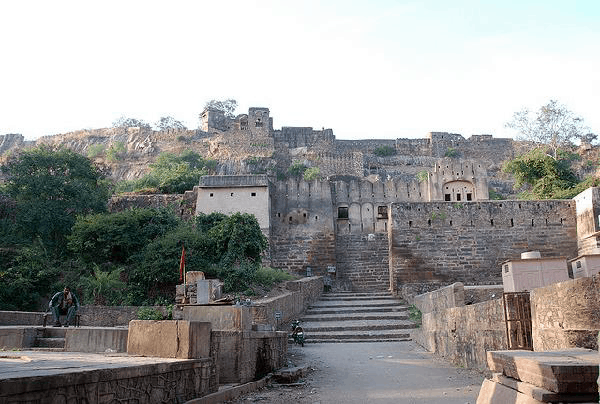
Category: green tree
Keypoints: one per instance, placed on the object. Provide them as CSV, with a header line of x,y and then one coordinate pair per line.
x,y
542,176
103,287
50,188
553,125
171,174
116,237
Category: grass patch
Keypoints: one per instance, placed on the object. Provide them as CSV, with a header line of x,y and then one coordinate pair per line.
x,y
415,315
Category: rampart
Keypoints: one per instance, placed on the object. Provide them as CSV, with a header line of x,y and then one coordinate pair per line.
x,y
467,242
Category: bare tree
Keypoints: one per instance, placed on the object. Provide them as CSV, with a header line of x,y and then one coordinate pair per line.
x,y
553,125
168,122
228,107
124,122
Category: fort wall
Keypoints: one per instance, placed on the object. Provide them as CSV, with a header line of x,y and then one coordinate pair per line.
x,y
467,242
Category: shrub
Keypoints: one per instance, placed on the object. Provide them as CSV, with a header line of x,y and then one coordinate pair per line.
x,y
384,151
267,277
422,176
297,169
149,313
95,150
312,173
451,152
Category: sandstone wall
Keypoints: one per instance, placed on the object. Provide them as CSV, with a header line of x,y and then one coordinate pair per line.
x,y
461,334
301,294
144,383
566,314
467,242
362,262
302,233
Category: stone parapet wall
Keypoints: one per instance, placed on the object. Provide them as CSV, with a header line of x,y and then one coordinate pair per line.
x,y
144,383
441,299
464,334
290,305
242,356
566,314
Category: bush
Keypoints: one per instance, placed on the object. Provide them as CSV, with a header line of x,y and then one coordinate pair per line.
x,y
297,169
312,173
384,151
451,152
267,277
95,150
149,313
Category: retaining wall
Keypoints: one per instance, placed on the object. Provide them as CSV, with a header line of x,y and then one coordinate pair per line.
x,y
566,314
464,333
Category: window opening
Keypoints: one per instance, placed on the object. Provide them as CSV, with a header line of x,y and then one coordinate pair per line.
x,y
447,197
343,212
458,197
253,194
469,197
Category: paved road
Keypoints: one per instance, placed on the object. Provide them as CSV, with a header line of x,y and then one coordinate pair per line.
x,y
379,372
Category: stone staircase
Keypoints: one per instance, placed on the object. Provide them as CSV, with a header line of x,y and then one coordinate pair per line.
x,y
357,317
50,339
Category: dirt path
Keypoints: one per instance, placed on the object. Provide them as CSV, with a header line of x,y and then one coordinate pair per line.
x,y
383,372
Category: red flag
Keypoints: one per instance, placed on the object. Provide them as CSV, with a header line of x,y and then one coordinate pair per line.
x,y
182,263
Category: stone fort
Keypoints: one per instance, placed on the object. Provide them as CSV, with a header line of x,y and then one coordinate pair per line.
x,y
419,214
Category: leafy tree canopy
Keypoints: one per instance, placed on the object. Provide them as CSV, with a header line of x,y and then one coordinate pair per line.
x,y
553,125
172,174
228,107
543,176
50,187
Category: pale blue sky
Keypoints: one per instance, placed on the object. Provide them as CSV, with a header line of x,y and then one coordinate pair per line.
x,y
366,69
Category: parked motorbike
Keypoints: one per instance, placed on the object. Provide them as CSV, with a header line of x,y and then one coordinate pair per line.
x,y
297,333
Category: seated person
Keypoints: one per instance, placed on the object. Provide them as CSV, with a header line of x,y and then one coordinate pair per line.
x,y
64,302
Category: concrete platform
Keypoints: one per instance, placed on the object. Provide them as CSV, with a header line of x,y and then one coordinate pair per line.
x,y
42,377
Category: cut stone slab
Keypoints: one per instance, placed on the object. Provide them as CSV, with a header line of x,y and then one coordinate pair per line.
x,y
544,395
568,371
496,393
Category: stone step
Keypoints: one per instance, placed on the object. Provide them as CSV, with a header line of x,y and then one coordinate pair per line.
x,y
359,298
352,316
356,340
354,303
381,335
44,349
356,294
359,309
49,342
356,325
52,332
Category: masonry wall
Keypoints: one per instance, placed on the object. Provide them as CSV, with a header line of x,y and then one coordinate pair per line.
x,y
467,242
302,233
362,262
566,315
461,334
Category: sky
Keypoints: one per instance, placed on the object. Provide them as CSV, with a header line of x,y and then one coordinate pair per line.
x,y
366,69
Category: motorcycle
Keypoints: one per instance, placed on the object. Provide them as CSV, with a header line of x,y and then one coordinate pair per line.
x,y
297,334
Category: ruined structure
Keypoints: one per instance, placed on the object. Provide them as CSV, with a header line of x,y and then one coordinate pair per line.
x,y
381,214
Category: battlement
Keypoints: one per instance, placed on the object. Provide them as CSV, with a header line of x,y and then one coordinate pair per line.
x,y
226,181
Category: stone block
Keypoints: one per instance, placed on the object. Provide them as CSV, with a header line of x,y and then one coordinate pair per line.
x,y
541,394
169,339
495,393
572,371
95,339
193,276
223,318
441,299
